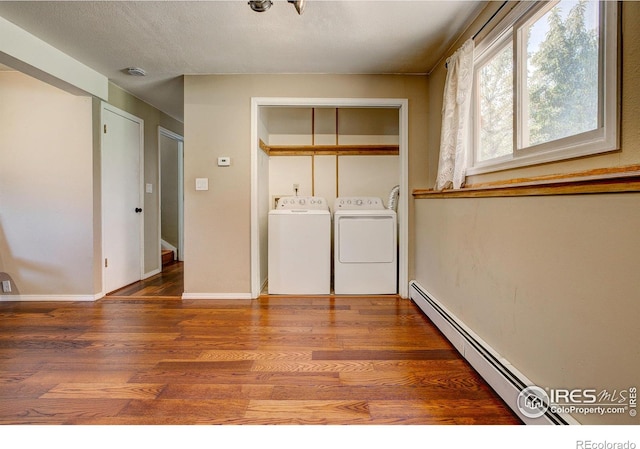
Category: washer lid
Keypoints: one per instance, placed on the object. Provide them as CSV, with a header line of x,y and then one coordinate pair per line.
x,y
358,203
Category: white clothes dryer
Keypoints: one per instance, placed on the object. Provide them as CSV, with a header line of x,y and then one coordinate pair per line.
x,y
299,245
365,247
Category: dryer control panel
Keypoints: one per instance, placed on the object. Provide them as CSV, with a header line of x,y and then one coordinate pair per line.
x,y
358,203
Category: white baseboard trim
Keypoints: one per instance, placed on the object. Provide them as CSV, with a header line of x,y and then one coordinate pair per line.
x,y
216,296
49,298
152,273
501,375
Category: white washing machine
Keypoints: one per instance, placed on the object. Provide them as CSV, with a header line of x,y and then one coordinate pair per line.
x,y
299,246
365,247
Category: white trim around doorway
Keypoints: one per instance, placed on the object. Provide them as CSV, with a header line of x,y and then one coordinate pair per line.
x,y
402,105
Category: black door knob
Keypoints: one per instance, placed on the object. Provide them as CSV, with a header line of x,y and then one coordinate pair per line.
x,y
138,210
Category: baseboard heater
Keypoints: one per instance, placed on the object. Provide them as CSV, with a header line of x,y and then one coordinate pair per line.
x,y
503,377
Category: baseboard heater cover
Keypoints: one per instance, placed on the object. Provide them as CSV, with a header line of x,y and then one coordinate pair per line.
x,y
503,377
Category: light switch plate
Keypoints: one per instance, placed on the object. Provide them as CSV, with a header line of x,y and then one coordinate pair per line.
x,y
148,188
202,183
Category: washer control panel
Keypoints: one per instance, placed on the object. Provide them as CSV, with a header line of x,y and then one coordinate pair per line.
x,y
302,203
358,203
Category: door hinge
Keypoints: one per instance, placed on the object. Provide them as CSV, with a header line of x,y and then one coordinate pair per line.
x,y
106,262
105,128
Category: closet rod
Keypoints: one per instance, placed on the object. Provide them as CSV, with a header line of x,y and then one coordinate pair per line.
x,y
485,24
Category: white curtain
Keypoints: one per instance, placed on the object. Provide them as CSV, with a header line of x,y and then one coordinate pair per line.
x,y
456,118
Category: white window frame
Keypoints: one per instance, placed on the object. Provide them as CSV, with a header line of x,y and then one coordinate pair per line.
x,y
603,139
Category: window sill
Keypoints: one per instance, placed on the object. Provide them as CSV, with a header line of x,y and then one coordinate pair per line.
x,y
611,180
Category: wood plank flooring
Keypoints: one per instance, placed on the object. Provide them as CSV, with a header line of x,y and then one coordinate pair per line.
x,y
152,358
169,284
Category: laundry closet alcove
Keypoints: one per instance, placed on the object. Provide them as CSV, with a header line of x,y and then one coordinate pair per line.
x,y
326,148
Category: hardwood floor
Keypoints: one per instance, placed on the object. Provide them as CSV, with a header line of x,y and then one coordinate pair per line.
x,y
169,283
142,356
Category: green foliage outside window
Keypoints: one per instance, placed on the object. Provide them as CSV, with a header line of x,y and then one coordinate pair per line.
x,y
560,86
563,77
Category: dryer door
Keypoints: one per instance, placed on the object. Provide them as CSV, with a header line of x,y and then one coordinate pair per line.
x,y
366,239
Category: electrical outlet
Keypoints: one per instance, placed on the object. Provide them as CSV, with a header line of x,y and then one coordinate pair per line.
x,y
6,286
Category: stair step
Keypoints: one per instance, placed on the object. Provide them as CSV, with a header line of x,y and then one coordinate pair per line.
x,y
167,256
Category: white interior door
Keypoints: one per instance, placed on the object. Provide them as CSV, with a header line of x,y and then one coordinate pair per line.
x,y
122,214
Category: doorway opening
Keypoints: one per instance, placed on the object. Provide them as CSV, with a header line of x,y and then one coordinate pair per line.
x,y
171,196
261,195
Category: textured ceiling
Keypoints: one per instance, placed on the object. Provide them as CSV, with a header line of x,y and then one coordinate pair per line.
x,y
172,38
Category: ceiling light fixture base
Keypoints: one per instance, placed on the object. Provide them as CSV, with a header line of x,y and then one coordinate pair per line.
x,y
263,5
260,5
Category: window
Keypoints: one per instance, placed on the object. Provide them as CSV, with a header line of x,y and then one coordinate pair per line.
x,y
546,85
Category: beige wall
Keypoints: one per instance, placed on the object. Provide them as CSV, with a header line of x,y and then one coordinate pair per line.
x,y
152,119
218,123
551,283
46,189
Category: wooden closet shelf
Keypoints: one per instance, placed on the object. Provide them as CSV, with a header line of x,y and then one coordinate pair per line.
x,y
322,150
